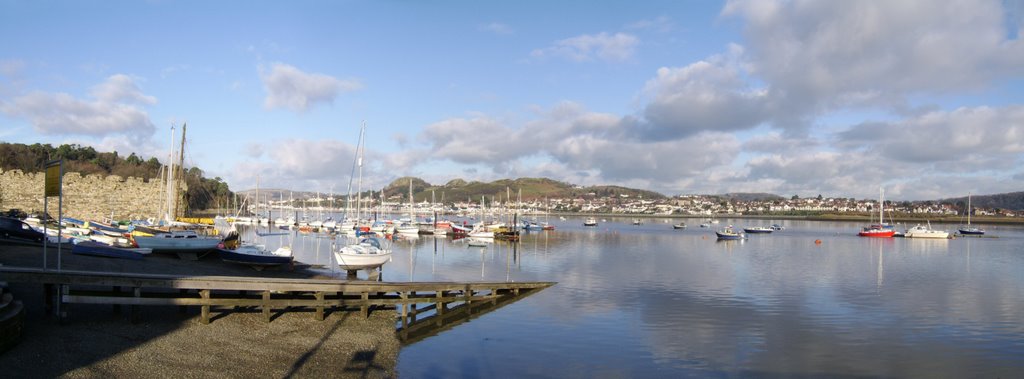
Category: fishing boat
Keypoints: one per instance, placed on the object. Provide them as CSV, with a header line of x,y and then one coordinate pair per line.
x,y
921,231
758,230
881,229
366,254
968,229
729,233
590,221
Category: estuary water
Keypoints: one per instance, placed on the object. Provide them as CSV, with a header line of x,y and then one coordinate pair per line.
x,y
649,301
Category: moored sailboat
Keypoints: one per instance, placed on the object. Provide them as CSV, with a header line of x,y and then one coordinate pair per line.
x,y
968,229
881,229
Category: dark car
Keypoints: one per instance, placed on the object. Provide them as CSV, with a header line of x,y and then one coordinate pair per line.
x,y
15,228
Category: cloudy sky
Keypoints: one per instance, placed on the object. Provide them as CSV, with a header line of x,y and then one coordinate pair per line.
x,y
925,98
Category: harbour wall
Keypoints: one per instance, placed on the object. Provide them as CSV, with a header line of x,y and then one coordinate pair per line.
x,y
89,197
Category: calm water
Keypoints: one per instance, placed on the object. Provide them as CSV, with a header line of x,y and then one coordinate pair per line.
x,y
650,301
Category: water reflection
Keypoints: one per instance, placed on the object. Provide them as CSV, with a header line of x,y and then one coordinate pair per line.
x,y
649,301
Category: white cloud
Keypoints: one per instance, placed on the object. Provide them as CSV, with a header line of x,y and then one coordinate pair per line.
x,y
11,67
497,28
965,139
110,112
121,88
813,53
290,88
661,24
608,47
707,95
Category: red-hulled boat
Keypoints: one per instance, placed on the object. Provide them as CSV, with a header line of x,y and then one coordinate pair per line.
x,y
881,229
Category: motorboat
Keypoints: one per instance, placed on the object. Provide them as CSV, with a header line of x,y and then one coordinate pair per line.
x,y
366,254
922,231
758,230
256,255
590,221
729,233
681,225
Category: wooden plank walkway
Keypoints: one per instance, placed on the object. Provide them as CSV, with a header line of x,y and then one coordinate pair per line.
x,y
269,294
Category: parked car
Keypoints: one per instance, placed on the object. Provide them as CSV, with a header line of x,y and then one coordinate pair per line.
x,y
15,228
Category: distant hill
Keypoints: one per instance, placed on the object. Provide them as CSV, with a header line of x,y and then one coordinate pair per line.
x,y
461,190
1012,201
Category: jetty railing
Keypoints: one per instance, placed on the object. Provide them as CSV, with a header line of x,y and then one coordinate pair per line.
x,y
442,299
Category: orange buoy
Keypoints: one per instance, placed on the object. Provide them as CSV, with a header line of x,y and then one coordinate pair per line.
x,y
817,242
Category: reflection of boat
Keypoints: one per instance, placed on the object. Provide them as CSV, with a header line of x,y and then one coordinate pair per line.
x,y
681,225
729,233
968,229
368,253
881,229
590,221
477,242
758,230
921,231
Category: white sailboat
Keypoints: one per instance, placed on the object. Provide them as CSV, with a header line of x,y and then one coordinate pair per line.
x,y
176,241
368,253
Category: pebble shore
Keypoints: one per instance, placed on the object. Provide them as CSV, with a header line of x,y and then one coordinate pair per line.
x,y
98,342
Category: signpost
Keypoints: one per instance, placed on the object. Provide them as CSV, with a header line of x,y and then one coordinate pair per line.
x,y
53,187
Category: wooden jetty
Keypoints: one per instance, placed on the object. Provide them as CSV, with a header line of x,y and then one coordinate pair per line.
x,y
442,302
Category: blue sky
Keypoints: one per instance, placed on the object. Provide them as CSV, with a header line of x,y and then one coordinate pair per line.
x,y
788,97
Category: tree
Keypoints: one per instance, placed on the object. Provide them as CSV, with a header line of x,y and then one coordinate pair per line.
x,y
795,197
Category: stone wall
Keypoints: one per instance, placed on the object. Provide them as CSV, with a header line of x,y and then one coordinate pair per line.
x,y
89,197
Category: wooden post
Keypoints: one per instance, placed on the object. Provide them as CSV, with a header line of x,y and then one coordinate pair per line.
x,y
440,303
266,306
134,309
405,309
181,308
48,293
366,304
205,313
117,307
62,308
319,316
494,296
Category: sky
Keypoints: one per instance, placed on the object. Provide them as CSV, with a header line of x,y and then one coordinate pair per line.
x,y
838,98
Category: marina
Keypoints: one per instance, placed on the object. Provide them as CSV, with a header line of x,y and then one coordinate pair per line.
x,y
683,294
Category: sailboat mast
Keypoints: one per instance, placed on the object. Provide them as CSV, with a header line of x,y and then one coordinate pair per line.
x,y
181,170
968,209
881,205
169,208
359,162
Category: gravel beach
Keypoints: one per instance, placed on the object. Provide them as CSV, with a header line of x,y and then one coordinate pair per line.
x,y
97,342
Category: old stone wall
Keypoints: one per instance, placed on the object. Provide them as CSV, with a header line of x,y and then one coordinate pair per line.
x,y
89,197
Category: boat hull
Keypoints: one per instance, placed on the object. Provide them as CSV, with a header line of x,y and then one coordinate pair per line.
x,y
348,261
252,259
178,245
97,249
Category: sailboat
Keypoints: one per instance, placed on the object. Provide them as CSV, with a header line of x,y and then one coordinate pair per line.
x,y
409,229
176,241
881,229
968,229
368,252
